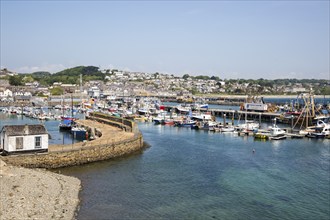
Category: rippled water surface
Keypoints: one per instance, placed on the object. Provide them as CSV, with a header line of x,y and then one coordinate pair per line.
x,y
56,136
188,174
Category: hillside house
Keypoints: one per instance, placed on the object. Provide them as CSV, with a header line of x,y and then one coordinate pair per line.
x,y
23,138
6,93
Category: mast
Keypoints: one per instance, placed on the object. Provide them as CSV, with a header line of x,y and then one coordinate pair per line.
x,y
312,103
62,106
81,105
71,106
80,83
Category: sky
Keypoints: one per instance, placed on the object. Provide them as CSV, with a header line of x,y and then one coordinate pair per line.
x,y
228,39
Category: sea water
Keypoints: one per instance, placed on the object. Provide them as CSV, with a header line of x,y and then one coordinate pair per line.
x,y
52,126
189,174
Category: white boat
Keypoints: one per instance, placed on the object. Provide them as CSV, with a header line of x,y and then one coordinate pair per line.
x,y
202,117
276,131
249,126
228,129
200,106
183,109
209,125
186,123
161,117
320,132
143,111
314,129
280,137
79,132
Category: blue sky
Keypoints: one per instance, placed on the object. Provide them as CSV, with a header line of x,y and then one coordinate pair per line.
x,y
229,39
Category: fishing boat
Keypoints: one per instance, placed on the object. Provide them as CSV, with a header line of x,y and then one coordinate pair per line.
x,y
320,132
227,128
249,125
320,124
273,133
209,125
201,117
66,124
186,123
161,117
183,109
261,135
168,121
79,132
276,133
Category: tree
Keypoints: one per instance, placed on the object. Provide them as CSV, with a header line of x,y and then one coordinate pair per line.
x,y
15,80
156,75
56,91
185,76
215,78
27,79
325,90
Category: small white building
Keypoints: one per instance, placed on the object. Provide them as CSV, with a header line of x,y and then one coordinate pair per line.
x,y
6,93
23,138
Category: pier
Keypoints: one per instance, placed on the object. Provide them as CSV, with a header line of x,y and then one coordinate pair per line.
x,y
237,114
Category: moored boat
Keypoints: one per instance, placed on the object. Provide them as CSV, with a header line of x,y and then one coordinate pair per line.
x,y
65,124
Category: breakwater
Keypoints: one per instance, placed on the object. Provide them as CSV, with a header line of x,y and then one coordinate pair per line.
x,y
110,142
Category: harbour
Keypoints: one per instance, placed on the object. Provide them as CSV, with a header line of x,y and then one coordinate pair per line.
x,y
198,174
189,173
156,110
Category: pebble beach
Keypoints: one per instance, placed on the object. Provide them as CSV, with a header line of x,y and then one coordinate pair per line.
x,y
37,194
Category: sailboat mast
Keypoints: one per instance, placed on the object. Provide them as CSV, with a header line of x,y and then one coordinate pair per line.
x,y
71,106
81,101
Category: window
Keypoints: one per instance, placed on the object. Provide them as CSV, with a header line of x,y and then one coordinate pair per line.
x,y
37,141
19,143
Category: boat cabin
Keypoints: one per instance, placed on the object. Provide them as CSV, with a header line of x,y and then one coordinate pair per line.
x,y
23,138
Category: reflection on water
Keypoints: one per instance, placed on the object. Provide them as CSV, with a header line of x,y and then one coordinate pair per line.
x,y
188,174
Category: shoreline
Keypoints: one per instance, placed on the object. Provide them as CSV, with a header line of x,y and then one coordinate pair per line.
x,y
37,194
264,96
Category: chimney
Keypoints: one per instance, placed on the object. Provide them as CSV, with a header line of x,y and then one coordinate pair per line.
x,y
26,129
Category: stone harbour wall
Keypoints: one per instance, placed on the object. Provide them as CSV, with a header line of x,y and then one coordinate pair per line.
x,y
77,157
104,147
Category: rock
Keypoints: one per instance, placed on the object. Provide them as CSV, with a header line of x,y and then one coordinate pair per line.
x,y
2,163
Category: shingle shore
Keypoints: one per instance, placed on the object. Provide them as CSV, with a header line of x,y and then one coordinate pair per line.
x,y
37,194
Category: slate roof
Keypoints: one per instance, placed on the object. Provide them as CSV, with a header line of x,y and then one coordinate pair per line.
x,y
21,130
